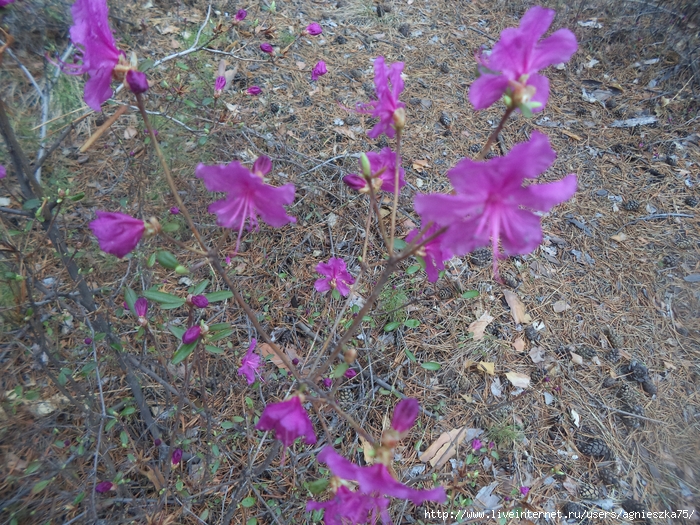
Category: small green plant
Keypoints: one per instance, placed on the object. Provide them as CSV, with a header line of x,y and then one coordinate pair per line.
x,y
504,434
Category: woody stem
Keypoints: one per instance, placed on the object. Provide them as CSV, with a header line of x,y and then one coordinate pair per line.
x,y
494,135
396,190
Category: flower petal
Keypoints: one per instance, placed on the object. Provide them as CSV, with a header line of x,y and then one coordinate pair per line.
x,y
526,160
269,203
521,232
543,197
223,177
487,90
556,48
541,85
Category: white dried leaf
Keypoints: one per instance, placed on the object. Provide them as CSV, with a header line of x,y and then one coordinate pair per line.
x,y
575,417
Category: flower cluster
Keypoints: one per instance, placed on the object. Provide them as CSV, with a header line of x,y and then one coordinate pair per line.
x,y
388,85
379,170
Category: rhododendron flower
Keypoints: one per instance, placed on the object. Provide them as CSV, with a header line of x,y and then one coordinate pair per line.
x,y
141,307
99,54
289,420
477,444
352,508
524,490
240,15
387,108
254,91
490,201
103,486
175,210
177,456
376,480
219,84
250,363
247,196
337,276
313,29
191,334
116,232
405,414
199,301
350,373
3,172
432,253
382,167
265,47
512,66
319,70
327,382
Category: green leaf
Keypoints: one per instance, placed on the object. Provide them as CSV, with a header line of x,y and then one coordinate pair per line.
x,y
238,419
390,327
340,370
252,521
128,411
410,355
470,294
399,244
227,425
177,331
182,65
146,64
213,349
316,487
217,327
413,269
431,365
248,502
411,323
41,485
124,438
130,297
183,352
78,196
191,104
151,260
169,227
200,288
166,300
33,467
207,101
335,294
222,295
31,204
221,335
166,259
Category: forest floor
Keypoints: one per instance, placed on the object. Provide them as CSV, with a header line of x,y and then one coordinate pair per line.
x,y
601,322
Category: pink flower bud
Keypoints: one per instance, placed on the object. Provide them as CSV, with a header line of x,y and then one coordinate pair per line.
x,y
137,81
3,172
254,91
327,382
262,166
524,490
88,340
191,335
313,29
200,301
355,182
295,361
241,14
350,373
175,210
220,83
319,70
265,47
116,232
157,442
177,456
141,307
405,414
477,445
104,486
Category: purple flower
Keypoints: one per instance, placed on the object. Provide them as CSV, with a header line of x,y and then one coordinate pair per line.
x,y
382,166
337,276
353,508
524,490
432,252
266,47
175,210
199,301
5,3
350,373
512,66
157,442
240,15
116,232
289,420
220,84
141,307
3,172
491,445
104,486
254,91
477,445
137,81
313,29
177,456
191,335
250,363
247,196
327,382
376,481
319,70
405,414
387,107
88,340
489,201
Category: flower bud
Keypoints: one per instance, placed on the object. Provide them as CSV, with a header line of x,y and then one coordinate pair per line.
x,y
399,119
181,270
266,47
240,15
350,373
366,167
405,414
136,81
356,183
254,91
191,335
349,356
199,301
313,29
141,307
177,456
174,210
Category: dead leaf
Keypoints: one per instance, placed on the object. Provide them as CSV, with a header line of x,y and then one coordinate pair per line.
x,y
561,306
174,44
537,354
571,135
301,65
155,476
477,327
419,165
168,30
620,237
519,344
368,451
130,132
517,308
575,417
518,380
14,462
445,446
496,389
266,349
484,499
489,368
345,132
576,359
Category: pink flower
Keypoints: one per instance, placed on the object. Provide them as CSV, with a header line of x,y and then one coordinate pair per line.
x,y
387,107
352,508
313,29
432,253
116,232
175,210
319,70
5,3
177,456
382,166
350,373
477,445
289,420
512,66
265,47
337,276
240,15
220,84
104,486
191,334
327,382
524,490
247,196
199,301
250,363
405,414
141,307
254,91
491,445
488,200
3,172
137,81
376,481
